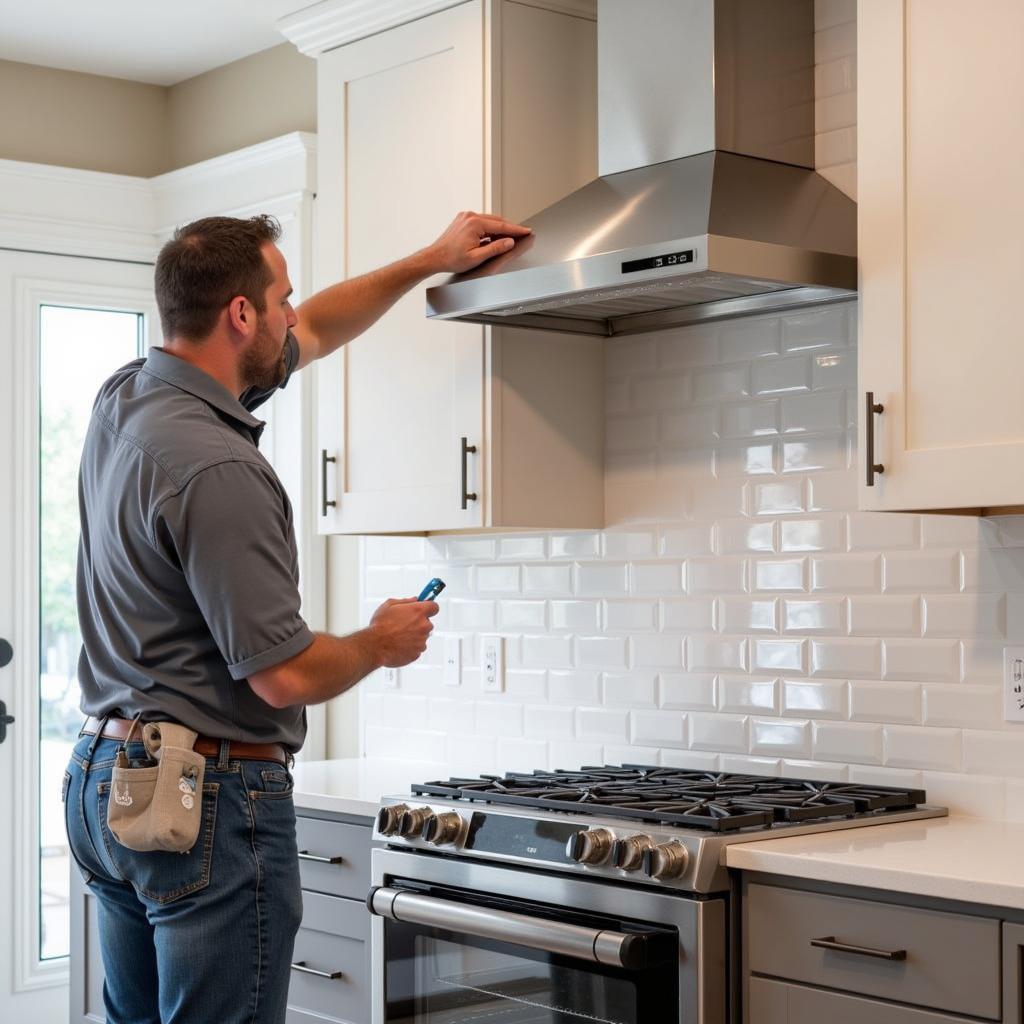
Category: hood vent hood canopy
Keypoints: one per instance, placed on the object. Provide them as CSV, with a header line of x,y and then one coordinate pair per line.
x,y
707,205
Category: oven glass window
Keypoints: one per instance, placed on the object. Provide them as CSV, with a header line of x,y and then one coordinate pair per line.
x,y
439,977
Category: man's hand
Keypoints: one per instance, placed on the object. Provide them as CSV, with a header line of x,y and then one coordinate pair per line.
x,y
470,239
400,628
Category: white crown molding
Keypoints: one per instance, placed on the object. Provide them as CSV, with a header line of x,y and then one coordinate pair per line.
x,y
114,216
331,23
239,183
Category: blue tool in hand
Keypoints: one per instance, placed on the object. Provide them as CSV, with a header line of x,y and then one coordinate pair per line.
x,y
431,590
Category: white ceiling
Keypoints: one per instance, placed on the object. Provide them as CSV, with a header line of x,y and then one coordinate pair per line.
x,y
156,41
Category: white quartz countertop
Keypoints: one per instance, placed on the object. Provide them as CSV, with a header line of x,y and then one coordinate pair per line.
x,y
355,785
950,858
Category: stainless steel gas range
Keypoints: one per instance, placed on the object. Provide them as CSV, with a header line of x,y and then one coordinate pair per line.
x,y
597,895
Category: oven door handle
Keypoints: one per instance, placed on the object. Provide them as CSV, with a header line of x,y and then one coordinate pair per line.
x,y
616,949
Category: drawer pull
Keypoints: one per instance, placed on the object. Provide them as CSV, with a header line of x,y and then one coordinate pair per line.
x,y
829,942
306,855
329,975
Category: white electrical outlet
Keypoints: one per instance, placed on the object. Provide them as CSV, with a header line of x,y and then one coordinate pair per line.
x,y
1013,684
493,668
391,678
452,660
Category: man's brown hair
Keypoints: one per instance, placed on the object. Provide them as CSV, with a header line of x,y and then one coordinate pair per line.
x,y
205,265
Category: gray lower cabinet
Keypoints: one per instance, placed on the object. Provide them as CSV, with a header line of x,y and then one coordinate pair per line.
x,y
331,963
814,954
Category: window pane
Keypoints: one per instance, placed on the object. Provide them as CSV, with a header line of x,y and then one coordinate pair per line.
x,y
78,350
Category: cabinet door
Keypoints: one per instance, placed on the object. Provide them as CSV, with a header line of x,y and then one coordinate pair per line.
x,y
1013,973
401,130
940,109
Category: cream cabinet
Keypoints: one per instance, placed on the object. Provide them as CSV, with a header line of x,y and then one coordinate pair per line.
x,y
940,110
423,426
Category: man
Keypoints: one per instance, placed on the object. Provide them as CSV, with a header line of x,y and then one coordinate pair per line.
x,y
189,612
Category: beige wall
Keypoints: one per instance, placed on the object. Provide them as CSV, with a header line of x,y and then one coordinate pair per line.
x,y
86,121
248,101
71,119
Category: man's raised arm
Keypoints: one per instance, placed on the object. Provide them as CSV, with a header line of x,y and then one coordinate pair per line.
x,y
336,315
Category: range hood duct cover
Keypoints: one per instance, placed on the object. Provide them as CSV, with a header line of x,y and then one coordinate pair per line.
x,y
740,225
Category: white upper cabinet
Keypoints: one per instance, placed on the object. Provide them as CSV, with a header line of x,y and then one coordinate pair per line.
x,y
426,425
941,208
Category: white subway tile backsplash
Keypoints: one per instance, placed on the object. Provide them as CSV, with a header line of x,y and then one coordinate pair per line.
x,y
740,613
547,579
921,571
783,574
716,575
885,616
909,747
748,615
658,728
927,660
715,653
872,701
694,690
814,698
743,694
726,733
655,651
597,580
847,574
630,689
688,614
780,737
602,724
630,616
575,615
601,651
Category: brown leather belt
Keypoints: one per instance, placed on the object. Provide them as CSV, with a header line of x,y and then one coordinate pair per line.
x,y
118,729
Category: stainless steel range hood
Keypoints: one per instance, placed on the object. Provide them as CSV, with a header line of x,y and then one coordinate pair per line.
x,y
707,205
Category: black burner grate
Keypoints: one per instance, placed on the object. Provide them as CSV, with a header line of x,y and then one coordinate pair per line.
x,y
716,801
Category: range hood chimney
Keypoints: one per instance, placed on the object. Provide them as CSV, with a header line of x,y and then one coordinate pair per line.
x,y
707,205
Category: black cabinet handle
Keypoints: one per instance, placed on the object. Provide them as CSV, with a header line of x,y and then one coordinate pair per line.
x,y
306,855
467,450
5,720
871,407
829,942
324,503
329,975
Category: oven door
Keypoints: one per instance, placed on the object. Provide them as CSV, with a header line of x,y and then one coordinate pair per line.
x,y
458,943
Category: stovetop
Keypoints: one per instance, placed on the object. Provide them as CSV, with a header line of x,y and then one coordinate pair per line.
x,y
713,801
634,824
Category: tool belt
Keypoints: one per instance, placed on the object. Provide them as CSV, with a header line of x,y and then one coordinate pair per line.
x,y
160,805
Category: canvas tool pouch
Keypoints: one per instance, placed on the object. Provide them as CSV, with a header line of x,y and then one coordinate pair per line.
x,y
158,807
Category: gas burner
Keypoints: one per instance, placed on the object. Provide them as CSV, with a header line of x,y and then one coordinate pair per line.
x,y
714,801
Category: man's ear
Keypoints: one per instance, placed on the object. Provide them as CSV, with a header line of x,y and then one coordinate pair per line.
x,y
241,315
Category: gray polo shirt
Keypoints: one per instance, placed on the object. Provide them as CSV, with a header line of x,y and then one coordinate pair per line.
x,y
187,567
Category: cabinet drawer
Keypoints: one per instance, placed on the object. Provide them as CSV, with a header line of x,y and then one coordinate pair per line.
x,y
349,876
775,1002
334,937
951,960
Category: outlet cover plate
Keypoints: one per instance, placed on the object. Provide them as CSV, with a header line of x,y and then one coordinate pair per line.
x,y
1013,684
390,678
492,664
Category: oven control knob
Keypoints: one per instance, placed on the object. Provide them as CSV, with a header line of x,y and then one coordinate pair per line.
x,y
412,821
668,860
442,828
388,819
590,847
628,854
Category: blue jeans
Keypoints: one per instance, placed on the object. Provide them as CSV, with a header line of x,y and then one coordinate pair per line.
x,y
204,937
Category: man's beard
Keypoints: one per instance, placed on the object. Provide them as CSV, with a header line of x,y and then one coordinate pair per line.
x,y
263,365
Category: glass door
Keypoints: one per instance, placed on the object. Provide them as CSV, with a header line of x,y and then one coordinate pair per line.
x,y
459,958
71,323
